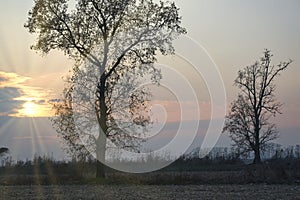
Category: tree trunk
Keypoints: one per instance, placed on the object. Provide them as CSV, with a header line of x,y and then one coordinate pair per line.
x,y
102,119
257,158
100,170
100,153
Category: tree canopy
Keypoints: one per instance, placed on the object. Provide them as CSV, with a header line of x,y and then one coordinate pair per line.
x,y
106,32
113,38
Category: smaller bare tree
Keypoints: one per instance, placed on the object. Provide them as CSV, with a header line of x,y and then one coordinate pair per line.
x,y
248,122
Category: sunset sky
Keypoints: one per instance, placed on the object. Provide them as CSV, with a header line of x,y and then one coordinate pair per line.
x,y
234,33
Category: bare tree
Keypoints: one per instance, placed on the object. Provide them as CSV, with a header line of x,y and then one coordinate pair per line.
x,y
111,35
248,122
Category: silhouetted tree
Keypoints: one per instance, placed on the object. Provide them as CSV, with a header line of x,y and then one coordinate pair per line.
x,y
111,35
127,117
248,122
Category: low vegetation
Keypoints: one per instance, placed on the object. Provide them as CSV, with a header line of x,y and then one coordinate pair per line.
x,y
186,170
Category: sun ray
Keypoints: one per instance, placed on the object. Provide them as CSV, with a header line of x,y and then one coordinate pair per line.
x,y
39,143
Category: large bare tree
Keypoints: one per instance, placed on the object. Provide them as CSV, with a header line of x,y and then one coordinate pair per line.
x,y
248,122
111,35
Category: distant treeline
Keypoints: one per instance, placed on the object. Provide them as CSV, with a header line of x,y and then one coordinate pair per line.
x,y
272,151
216,168
217,154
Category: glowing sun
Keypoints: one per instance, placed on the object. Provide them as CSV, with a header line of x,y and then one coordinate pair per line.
x,y
30,109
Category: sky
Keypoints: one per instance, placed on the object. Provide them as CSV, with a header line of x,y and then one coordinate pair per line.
x,y
233,33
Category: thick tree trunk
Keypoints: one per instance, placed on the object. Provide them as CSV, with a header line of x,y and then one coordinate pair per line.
x,y
256,149
100,170
257,158
102,119
100,152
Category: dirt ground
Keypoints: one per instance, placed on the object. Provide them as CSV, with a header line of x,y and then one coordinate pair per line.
x,y
108,192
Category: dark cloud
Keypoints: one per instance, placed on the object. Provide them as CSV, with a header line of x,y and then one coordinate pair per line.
x,y
8,104
40,101
10,107
55,100
8,93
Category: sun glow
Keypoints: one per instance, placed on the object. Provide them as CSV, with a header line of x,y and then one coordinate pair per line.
x,y
30,109
35,108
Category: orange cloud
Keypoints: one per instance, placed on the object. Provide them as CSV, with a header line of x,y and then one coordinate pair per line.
x,y
20,99
174,111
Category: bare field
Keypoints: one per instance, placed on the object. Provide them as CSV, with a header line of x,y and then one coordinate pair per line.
x,y
187,192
